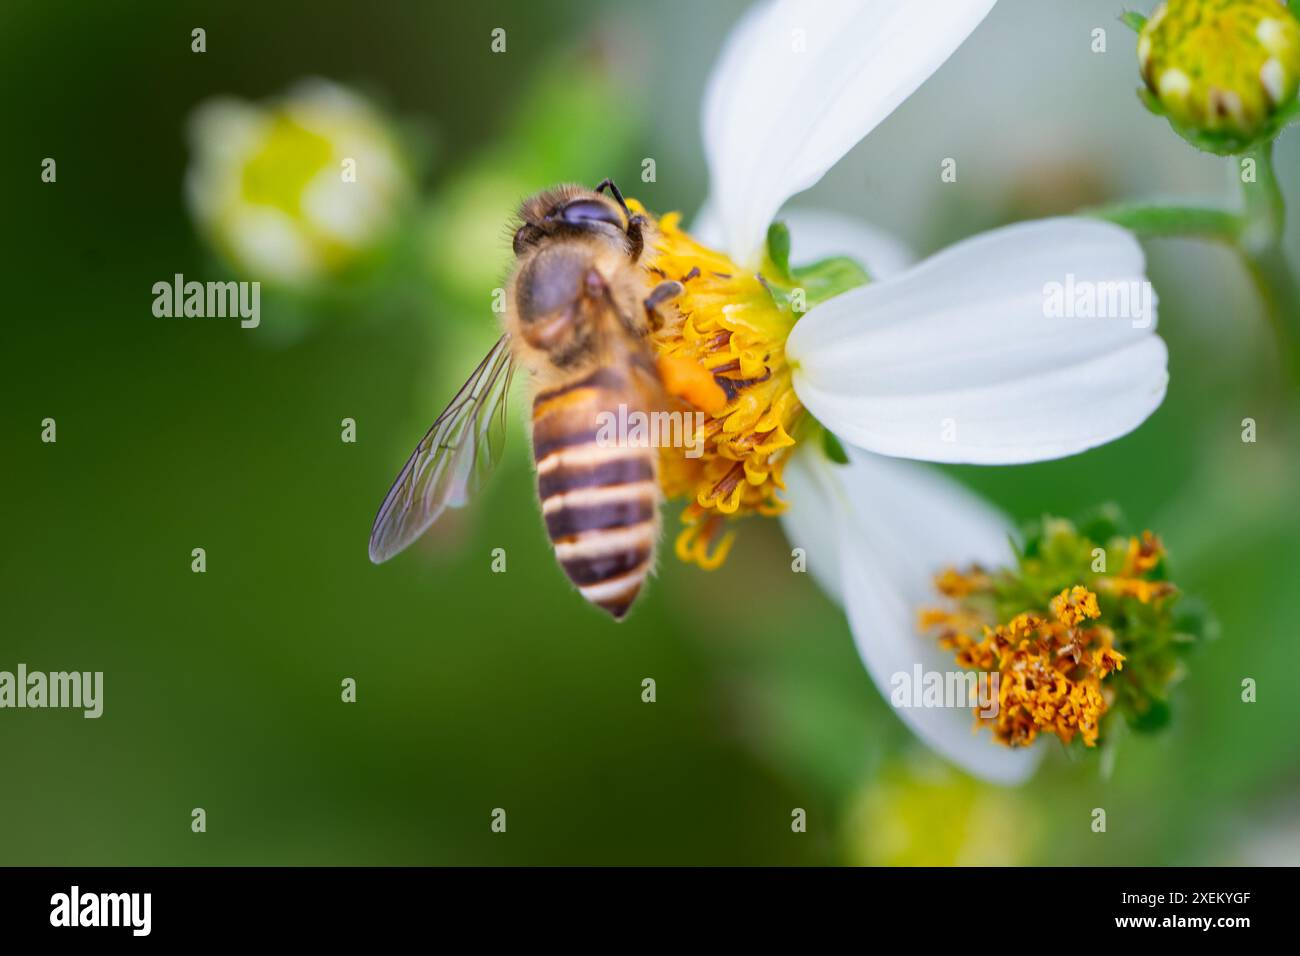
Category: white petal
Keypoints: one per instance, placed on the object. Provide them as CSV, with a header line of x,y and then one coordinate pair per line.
x,y
961,358
799,82
819,233
899,524
810,520
223,133
268,242
705,227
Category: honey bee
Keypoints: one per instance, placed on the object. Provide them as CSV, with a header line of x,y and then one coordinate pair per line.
x,y
580,309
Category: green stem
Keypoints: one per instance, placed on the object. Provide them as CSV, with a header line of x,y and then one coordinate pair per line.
x,y
1277,287
1260,245
1158,222
1255,234
1265,207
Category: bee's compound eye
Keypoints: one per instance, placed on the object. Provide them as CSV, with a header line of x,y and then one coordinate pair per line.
x,y
583,211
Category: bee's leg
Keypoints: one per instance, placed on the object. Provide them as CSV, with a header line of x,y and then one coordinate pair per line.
x,y
665,291
635,222
635,242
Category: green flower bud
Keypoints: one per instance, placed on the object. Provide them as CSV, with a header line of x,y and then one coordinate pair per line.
x,y
1224,72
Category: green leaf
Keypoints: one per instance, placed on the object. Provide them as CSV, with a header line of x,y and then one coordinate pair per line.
x,y
1193,621
1101,523
1133,20
1149,715
1226,142
1286,115
1150,101
828,278
1152,220
834,450
778,249
1032,532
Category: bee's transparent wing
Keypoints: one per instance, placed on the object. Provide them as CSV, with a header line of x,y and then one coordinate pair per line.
x,y
452,459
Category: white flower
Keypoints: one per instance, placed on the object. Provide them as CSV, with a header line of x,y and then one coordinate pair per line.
x,y
296,188
952,360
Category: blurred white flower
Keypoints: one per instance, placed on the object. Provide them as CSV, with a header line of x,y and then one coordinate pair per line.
x,y
962,338
295,188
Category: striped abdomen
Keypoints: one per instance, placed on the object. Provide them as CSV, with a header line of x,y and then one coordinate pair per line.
x,y
599,497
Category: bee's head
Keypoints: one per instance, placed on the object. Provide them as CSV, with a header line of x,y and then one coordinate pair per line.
x,y
568,211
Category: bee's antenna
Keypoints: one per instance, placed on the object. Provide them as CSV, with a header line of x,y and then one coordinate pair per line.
x,y
618,196
634,221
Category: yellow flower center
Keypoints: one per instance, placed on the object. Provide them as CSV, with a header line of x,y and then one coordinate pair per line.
x,y
1221,66
1050,670
1051,631
721,350
287,160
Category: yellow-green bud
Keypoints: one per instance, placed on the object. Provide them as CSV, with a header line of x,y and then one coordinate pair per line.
x,y
1221,67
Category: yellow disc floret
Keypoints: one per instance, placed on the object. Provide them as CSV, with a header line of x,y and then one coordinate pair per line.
x,y
721,350
1052,650
1049,670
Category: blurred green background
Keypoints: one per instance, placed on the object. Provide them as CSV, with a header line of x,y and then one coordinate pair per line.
x,y
479,690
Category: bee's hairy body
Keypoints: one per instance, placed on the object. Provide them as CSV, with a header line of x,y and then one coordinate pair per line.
x,y
579,313
578,320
